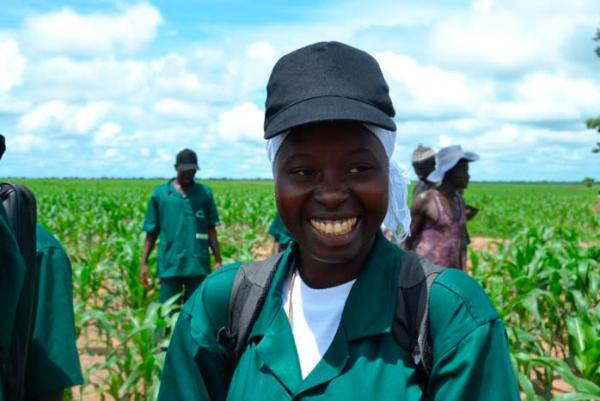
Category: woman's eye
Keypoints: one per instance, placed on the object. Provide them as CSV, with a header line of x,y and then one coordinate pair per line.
x,y
358,169
302,172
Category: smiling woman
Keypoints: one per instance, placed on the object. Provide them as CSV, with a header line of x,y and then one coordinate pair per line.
x,y
327,329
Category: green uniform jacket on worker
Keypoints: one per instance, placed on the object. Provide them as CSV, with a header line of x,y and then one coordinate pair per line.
x,y
278,231
364,362
53,360
182,225
12,274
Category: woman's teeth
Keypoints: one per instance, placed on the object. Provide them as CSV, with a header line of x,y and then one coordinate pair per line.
x,y
334,227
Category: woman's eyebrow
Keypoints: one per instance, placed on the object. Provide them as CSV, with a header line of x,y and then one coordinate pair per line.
x,y
361,150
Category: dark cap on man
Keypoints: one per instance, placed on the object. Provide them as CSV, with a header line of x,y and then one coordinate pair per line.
x,y
186,160
326,81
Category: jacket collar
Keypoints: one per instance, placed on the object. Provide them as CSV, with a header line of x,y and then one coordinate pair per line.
x,y
369,311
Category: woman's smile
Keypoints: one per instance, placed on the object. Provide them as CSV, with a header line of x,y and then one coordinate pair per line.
x,y
336,227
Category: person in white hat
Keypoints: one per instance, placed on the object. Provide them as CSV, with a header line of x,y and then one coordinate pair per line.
x,y
423,162
439,215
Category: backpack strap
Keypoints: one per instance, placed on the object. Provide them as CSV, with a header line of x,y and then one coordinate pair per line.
x,y
411,323
248,295
21,210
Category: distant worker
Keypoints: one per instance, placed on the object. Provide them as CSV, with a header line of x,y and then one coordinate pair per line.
x,y
439,215
183,213
52,360
281,236
423,161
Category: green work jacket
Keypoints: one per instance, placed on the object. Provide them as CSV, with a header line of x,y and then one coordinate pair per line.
x,y
278,231
182,224
52,360
364,362
12,274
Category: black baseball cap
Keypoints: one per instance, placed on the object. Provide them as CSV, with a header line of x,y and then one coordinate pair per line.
x,y
186,160
326,81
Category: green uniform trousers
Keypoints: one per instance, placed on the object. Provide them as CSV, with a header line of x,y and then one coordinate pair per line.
x,y
171,286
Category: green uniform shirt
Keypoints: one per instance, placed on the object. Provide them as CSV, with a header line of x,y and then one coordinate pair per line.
x,y
12,274
182,224
278,231
364,362
53,360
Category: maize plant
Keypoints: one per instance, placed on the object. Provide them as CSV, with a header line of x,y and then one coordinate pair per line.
x,y
543,275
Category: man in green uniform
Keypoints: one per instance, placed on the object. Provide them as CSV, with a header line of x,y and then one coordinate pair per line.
x,y
329,132
183,213
280,234
12,273
52,360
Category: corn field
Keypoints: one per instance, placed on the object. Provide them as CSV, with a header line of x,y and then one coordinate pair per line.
x,y
541,269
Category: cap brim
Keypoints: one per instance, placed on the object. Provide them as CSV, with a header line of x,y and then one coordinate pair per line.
x,y
440,171
187,167
470,156
327,108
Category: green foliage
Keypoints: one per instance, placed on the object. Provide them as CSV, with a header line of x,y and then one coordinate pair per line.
x,y
594,123
550,308
588,182
543,281
509,208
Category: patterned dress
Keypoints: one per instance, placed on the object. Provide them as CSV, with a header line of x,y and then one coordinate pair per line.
x,y
442,242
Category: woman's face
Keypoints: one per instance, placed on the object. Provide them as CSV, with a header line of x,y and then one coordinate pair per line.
x,y
331,187
459,176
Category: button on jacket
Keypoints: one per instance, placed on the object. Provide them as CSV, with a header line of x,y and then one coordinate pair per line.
x,y
364,362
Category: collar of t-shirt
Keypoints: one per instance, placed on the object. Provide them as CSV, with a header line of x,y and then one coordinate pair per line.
x,y
316,316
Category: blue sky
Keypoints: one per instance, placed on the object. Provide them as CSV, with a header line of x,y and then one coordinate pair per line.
x,y
115,88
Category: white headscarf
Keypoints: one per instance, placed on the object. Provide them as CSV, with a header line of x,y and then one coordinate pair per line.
x,y
397,218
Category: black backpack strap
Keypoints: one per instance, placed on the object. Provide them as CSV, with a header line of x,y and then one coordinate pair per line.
x,y
21,210
247,298
411,322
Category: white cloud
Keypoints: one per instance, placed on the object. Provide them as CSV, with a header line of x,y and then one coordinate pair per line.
x,y
25,143
262,51
482,5
542,96
174,108
68,32
112,153
241,122
107,134
484,76
171,75
73,79
64,117
511,35
13,105
427,90
12,64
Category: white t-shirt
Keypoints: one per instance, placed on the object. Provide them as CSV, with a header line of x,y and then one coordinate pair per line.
x,y
316,315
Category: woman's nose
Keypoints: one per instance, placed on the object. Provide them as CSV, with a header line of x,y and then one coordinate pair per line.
x,y
332,191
